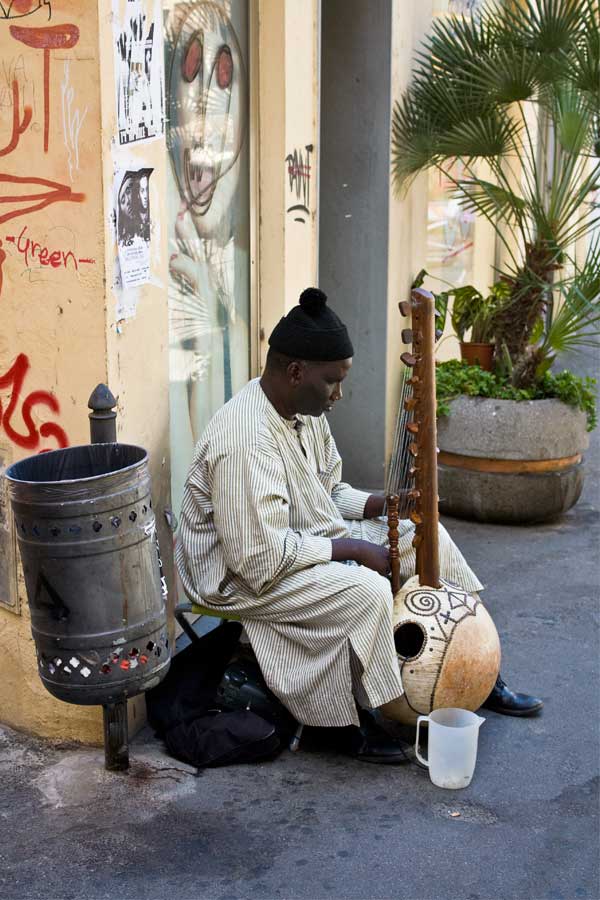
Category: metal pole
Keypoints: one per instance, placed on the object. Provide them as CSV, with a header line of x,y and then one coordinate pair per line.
x,y
103,430
103,418
116,738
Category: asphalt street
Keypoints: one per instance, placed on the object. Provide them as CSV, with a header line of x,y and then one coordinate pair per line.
x,y
315,825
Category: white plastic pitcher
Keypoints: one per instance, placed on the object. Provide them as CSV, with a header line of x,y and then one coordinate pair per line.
x,y
452,748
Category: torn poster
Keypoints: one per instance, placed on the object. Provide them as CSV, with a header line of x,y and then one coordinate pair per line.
x,y
132,221
139,70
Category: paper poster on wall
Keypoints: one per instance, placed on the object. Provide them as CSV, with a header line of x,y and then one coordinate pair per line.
x,y
132,220
139,70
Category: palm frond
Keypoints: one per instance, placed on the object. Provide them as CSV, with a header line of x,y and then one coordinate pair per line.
x,y
547,27
482,138
577,322
479,195
454,42
414,140
582,61
573,120
506,75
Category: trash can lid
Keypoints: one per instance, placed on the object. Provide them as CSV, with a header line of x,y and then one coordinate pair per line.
x,y
82,463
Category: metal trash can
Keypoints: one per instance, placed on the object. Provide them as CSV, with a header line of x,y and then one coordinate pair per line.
x,y
87,537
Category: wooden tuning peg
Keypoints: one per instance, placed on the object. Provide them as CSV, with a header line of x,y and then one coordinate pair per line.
x,y
417,540
416,518
407,335
412,428
410,404
405,308
414,494
409,360
414,379
413,449
413,471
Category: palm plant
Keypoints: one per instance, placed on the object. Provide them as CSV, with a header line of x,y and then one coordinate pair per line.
x,y
519,88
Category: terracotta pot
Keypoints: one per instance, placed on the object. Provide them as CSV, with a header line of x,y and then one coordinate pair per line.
x,y
481,355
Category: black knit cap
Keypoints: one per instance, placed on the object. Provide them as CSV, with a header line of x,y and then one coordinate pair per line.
x,y
312,331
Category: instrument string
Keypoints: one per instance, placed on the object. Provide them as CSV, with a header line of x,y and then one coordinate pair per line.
x,y
398,480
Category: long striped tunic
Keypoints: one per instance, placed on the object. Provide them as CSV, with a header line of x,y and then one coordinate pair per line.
x,y
262,502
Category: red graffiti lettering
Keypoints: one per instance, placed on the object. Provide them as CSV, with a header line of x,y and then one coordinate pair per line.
x,y
34,194
19,125
50,37
31,250
35,201
13,379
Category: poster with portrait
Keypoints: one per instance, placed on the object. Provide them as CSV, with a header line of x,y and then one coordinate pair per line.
x,y
132,224
139,70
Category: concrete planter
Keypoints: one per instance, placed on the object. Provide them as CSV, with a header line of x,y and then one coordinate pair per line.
x,y
503,461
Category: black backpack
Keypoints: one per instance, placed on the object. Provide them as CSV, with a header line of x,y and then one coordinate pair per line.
x,y
212,711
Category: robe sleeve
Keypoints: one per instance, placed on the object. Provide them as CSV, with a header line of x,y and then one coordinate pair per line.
x,y
349,501
251,516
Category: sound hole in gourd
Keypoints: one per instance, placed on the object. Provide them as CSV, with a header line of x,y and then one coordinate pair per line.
x,y
409,639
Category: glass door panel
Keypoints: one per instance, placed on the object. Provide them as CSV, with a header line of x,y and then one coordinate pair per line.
x,y
207,101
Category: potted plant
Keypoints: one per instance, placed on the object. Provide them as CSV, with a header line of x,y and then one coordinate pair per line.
x,y
517,87
473,313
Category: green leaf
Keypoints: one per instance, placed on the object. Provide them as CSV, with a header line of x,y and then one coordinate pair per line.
x,y
573,120
477,195
537,331
419,279
484,137
455,377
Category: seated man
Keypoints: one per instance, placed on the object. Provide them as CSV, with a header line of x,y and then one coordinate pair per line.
x,y
268,527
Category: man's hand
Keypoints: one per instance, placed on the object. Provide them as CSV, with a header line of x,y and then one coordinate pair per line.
x,y
373,556
374,506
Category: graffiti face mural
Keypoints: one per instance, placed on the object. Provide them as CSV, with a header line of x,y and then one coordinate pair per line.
x,y
207,110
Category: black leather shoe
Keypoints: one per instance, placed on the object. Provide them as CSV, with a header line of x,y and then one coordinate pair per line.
x,y
371,743
508,703
380,749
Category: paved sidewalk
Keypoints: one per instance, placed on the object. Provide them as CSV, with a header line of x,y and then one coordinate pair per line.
x,y
313,826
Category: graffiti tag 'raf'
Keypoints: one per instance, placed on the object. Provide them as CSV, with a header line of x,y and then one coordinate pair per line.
x,y
298,172
13,380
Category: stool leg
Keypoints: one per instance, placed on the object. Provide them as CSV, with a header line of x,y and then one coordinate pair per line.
x,y
295,742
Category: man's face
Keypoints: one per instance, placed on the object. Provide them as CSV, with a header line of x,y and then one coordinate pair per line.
x,y
317,386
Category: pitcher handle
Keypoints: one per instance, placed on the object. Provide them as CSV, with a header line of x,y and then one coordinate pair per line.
x,y
418,755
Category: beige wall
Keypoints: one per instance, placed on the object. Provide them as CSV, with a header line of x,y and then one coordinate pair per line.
x,y
407,211
61,319
53,305
288,115
60,326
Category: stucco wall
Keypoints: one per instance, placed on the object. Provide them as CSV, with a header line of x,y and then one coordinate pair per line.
x,y
52,298
62,332
288,114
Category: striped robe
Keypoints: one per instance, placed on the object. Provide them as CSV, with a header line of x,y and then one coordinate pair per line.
x,y
262,502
